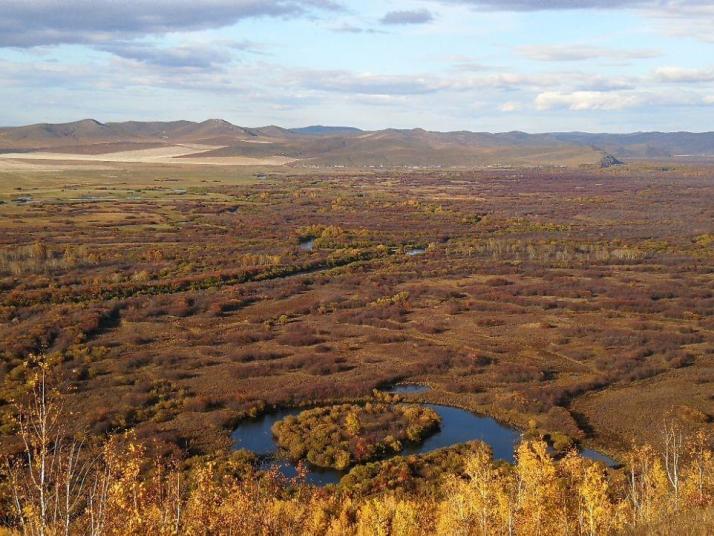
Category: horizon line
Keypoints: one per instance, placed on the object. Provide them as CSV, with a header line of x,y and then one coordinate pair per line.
x,y
321,125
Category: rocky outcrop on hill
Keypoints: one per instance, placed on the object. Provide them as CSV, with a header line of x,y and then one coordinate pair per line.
x,y
608,161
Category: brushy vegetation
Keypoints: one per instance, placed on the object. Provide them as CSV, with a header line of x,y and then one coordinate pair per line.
x,y
575,304
343,435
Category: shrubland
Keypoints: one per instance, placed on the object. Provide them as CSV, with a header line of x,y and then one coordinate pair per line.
x,y
343,435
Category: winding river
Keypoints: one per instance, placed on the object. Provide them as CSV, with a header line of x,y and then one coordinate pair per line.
x,y
457,426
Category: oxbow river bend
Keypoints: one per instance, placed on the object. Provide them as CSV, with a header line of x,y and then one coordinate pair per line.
x,y
457,426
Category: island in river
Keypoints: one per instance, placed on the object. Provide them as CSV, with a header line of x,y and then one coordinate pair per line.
x,y
343,435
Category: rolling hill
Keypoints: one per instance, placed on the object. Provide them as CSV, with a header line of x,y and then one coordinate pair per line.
x,y
646,144
347,146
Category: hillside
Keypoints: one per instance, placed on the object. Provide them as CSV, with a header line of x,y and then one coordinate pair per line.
x,y
347,146
646,144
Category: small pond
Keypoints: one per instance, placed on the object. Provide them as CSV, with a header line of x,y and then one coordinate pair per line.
x,y
407,389
307,245
457,426
598,457
416,251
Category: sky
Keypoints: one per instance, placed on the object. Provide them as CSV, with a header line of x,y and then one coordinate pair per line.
x,y
479,65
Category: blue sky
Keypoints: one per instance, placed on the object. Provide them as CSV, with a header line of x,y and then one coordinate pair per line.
x,y
481,65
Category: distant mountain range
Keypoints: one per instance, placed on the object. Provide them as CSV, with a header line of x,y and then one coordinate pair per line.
x,y
348,146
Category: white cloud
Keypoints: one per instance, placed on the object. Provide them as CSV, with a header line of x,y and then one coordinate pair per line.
x,y
684,19
576,52
682,75
616,100
588,100
510,107
347,27
189,56
368,83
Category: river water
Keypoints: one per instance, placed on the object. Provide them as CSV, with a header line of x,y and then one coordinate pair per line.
x,y
457,426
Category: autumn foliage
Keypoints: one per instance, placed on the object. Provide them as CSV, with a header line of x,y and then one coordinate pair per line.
x,y
340,436
59,485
